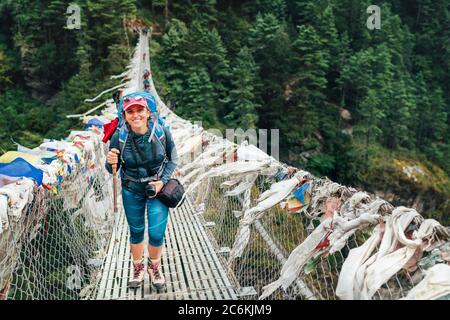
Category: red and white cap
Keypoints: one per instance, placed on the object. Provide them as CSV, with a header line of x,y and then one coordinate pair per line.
x,y
134,101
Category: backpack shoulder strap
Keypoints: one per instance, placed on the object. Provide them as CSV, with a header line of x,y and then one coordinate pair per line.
x,y
123,136
158,134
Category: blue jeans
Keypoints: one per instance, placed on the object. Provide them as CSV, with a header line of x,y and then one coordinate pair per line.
x,y
134,205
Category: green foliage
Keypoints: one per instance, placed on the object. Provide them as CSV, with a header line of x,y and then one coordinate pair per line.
x,y
242,109
276,7
231,29
5,69
295,65
372,115
322,163
387,173
118,58
198,98
306,62
308,84
105,29
271,47
205,10
23,119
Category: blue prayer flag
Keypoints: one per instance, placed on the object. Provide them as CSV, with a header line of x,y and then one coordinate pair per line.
x,y
21,168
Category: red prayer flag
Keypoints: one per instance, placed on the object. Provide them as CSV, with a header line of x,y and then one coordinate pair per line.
x,y
109,128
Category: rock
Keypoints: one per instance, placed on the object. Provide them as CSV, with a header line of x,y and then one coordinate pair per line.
x,y
388,196
345,114
413,172
348,131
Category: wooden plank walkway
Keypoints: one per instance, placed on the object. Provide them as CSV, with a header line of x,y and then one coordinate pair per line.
x,y
190,264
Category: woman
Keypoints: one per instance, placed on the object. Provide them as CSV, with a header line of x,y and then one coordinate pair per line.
x,y
148,159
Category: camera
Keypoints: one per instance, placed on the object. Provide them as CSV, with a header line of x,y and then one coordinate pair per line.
x,y
150,190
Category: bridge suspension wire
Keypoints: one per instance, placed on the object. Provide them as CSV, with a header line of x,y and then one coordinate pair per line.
x,y
273,232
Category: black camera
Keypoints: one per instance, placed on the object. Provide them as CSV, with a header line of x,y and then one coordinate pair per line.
x,y
150,191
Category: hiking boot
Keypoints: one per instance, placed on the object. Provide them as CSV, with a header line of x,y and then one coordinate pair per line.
x,y
137,276
156,276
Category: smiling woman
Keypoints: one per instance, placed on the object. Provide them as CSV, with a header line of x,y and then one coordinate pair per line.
x,y
147,159
137,116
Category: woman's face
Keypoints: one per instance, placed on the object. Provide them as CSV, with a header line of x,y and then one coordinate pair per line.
x,y
137,117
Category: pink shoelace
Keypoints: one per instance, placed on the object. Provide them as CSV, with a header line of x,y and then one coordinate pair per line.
x,y
137,269
155,270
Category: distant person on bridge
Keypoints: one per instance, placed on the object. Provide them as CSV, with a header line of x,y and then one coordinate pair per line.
x,y
147,86
147,159
146,74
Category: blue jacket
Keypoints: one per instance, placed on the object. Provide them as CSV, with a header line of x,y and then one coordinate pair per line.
x,y
129,162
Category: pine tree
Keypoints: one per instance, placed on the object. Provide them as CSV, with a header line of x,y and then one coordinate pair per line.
x,y
210,53
311,62
173,56
371,70
310,65
271,48
205,50
343,58
399,109
371,114
173,60
159,8
242,108
326,29
357,77
303,11
430,116
396,36
105,29
53,19
117,58
263,32
276,7
198,102
205,11
5,70
232,29
351,17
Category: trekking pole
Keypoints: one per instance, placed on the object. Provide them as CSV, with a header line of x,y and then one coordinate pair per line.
x,y
116,240
114,171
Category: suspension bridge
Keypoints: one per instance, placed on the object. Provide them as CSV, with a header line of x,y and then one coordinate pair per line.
x,y
250,228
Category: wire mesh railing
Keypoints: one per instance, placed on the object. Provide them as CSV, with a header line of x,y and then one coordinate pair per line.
x,y
276,232
54,246
55,249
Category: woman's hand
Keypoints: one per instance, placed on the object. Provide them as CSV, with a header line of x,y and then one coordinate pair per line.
x,y
112,156
158,185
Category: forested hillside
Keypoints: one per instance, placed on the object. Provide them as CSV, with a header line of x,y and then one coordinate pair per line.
x,y
47,70
367,108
